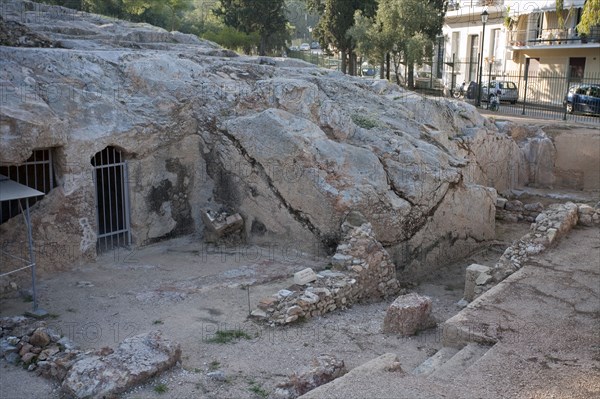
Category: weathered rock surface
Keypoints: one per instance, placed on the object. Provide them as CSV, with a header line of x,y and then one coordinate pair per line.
x,y
290,147
408,314
133,362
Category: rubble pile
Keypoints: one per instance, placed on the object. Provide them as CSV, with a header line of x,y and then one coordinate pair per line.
x,y
324,368
361,270
85,374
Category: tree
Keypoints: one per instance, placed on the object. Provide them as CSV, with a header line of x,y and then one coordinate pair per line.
x,y
265,17
590,17
337,17
408,29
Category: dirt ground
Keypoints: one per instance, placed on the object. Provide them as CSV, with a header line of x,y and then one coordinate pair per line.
x,y
190,291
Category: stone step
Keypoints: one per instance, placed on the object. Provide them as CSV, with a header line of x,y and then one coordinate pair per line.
x,y
458,363
434,362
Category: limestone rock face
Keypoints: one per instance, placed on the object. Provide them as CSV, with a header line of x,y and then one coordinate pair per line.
x,y
135,360
289,147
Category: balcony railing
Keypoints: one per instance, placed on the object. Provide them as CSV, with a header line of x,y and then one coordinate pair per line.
x,y
456,4
548,37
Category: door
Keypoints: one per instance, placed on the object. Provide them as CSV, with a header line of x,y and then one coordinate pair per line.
x,y
112,199
473,58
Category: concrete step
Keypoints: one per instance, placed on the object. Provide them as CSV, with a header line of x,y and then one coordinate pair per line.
x,y
434,362
458,363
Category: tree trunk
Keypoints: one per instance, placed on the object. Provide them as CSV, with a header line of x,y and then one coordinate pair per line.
x,y
360,62
382,68
387,66
410,77
262,46
350,62
344,64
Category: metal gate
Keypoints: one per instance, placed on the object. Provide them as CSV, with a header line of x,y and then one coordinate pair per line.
x,y
112,199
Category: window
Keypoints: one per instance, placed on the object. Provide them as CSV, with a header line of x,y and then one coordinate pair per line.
x,y
494,43
576,68
473,57
456,43
36,172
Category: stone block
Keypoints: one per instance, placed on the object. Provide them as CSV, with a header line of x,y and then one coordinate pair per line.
x,y
408,314
305,276
534,207
267,303
221,225
514,206
501,202
39,338
475,275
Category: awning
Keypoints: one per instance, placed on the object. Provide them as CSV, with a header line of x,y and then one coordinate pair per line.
x,y
10,190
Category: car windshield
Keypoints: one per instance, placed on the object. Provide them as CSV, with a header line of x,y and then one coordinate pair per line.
x,y
595,91
508,85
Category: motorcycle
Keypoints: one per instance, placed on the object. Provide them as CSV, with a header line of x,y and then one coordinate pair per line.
x,y
459,91
494,102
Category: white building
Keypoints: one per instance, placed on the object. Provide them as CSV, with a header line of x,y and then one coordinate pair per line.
x,y
520,36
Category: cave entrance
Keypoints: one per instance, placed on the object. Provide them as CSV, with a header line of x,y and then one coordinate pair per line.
x,y
112,200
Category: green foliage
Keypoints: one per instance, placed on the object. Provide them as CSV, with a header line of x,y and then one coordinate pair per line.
x,y
227,336
405,28
257,389
214,365
161,388
337,18
590,17
364,121
233,39
264,17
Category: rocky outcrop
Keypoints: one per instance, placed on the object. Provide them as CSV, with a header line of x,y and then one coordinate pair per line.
x,y
290,147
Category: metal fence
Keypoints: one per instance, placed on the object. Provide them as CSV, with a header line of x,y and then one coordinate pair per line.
x,y
543,95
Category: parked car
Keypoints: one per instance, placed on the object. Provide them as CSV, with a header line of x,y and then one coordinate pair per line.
x,y
304,47
505,90
294,48
315,46
584,98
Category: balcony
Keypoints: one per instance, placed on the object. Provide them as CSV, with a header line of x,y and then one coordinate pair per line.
x,y
456,4
548,37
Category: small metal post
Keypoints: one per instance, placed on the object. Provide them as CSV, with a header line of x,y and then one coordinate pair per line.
x,y
525,91
31,254
567,93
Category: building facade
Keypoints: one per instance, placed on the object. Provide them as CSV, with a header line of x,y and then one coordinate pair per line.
x,y
521,38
